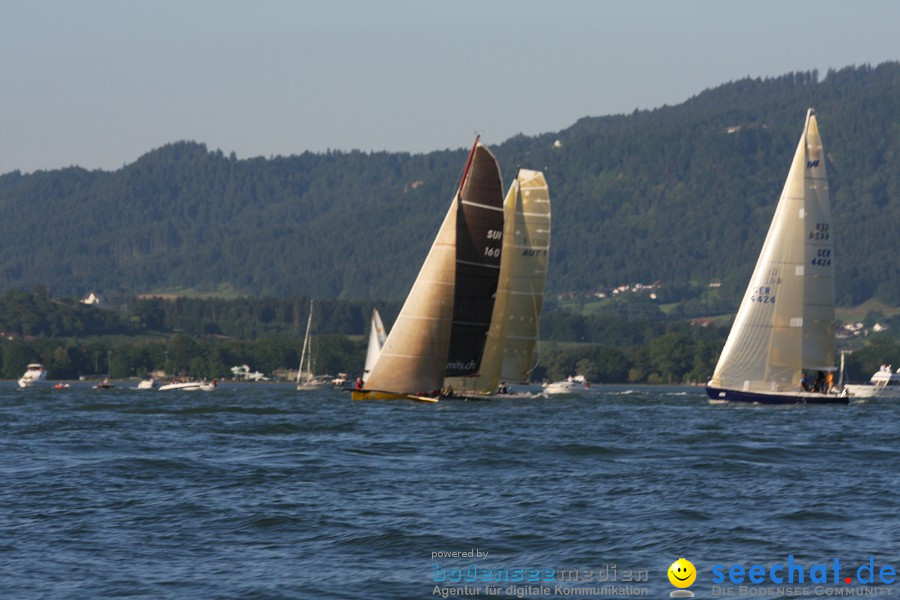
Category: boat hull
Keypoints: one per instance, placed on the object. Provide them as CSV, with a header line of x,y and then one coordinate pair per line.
x,y
871,391
376,395
727,395
309,387
188,386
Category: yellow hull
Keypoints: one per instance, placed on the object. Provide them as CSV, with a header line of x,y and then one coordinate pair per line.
x,y
375,395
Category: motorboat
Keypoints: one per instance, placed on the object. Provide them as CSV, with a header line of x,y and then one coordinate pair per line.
x,y
572,385
189,386
104,385
885,383
35,373
146,384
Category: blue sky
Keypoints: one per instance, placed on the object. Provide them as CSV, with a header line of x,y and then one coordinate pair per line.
x,y
97,83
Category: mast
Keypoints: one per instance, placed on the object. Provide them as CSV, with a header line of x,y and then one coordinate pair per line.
x,y
468,164
305,345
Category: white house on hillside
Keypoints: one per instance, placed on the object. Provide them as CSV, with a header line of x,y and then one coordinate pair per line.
x,y
92,299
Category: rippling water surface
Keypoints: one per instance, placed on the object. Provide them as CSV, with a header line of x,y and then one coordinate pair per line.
x,y
259,491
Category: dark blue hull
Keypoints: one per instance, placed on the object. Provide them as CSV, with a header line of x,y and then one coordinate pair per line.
x,y
726,395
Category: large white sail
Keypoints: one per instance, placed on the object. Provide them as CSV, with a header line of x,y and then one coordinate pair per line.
x,y
508,353
439,328
785,324
414,355
377,336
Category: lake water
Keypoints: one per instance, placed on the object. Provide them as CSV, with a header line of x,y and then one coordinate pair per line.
x,y
259,491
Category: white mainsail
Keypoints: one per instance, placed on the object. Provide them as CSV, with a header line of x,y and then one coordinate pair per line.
x,y
415,355
785,323
377,336
509,349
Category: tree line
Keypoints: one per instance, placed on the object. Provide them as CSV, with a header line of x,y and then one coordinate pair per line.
x,y
205,338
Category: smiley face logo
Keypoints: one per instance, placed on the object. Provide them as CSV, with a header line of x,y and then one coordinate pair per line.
x,y
682,573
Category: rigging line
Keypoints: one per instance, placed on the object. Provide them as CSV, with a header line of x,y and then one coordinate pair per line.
x,y
468,164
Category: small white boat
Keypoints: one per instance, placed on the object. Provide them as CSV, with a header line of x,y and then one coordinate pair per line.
x,y
571,385
884,384
35,373
189,386
146,384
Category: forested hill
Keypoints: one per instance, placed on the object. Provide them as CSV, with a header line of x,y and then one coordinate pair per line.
x,y
677,194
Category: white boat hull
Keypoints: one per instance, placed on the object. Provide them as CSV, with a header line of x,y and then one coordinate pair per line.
x,y
188,386
884,384
313,385
565,388
871,391
35,375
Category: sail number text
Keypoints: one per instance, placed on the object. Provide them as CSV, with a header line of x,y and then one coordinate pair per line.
x,y
489,251
763,295
820,233
822,258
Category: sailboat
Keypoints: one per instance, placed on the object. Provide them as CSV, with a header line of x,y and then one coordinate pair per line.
x,y
306,380
509,349
784,328
442,326
377,337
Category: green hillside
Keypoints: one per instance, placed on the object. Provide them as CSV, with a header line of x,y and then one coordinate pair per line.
x,y
682,194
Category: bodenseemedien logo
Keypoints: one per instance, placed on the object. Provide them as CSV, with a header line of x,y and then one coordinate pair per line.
x,y
682,574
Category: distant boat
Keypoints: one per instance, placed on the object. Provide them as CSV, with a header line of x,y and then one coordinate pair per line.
x,y
104,385
571,386
146,384
35,374
883,384
190,386
784,328
377,336
306,380
513,335
441,329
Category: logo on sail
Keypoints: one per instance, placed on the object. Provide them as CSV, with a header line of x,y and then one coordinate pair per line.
x,y
458,365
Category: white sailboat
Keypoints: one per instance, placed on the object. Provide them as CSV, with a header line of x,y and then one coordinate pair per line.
x,y
441,329
377,337
784,329
306,379
509,349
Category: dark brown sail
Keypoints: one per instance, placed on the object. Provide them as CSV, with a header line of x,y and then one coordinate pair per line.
x,y
479,239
